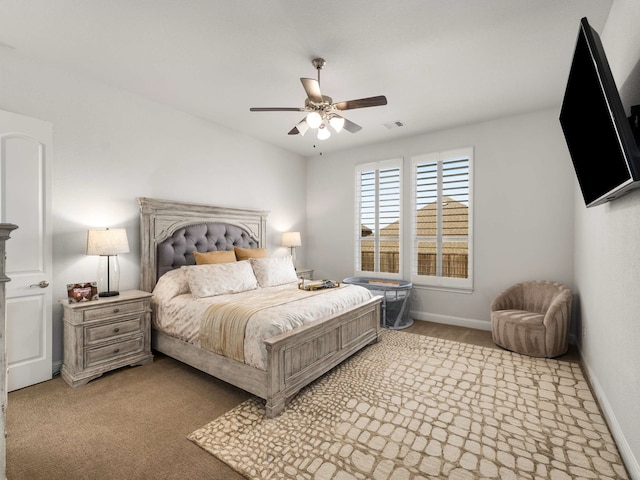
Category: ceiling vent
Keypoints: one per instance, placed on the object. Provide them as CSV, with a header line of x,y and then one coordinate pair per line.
x,y
392,125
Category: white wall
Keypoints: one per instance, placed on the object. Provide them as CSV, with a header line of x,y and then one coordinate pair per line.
x,y
111,147
523,210
607,265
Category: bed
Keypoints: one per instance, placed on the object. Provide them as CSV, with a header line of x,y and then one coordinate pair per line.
x,y
171,230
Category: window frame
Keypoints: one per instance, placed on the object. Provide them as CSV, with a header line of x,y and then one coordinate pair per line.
x,y
394,163
438,281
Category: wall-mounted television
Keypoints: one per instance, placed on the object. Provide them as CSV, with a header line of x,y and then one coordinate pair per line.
x,y
602,141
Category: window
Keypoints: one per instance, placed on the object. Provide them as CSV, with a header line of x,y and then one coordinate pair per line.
x,y
378,232
442,219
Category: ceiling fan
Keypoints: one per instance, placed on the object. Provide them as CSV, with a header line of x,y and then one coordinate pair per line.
x,y
321,111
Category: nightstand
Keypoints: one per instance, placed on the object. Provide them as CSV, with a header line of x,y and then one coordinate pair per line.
x,y
306,273
105,334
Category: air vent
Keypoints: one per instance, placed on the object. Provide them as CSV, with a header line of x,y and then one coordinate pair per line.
x,y
392,125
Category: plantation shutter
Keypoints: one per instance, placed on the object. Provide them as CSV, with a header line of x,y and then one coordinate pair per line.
x,y
442,219
378,244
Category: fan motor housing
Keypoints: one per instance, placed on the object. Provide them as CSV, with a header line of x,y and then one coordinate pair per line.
x,y
325,105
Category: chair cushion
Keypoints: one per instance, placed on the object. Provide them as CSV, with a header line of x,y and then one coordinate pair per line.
x,y
521,317
519,331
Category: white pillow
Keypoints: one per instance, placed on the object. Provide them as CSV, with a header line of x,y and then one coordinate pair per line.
x,y
272,271
171,284
220,278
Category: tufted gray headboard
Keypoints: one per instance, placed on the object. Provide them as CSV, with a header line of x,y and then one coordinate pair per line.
x,y
170,231
177,249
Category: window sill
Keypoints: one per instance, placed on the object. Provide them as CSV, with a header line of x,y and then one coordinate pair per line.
x,y
442,288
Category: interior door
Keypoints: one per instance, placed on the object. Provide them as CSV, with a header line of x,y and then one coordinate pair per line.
x,y
25,200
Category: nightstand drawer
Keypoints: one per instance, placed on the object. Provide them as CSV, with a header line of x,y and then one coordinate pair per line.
x,y
93,356
112,330
109,311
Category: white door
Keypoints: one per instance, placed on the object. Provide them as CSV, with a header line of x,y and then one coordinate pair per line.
x,y
25,200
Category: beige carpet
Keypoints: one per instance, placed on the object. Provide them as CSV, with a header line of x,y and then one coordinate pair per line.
x,y
415,407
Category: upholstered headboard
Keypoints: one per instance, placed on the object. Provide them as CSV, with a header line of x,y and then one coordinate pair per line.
x,y
170,232
177,249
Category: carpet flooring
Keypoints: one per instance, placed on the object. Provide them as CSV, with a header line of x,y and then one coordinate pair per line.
x,y
416,407
133,423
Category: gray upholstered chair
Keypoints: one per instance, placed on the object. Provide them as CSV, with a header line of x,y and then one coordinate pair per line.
x,y
532,318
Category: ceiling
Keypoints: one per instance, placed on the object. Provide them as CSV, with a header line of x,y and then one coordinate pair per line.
x,y
440,63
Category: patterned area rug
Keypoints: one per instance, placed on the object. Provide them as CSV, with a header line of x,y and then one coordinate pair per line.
x,y
416,407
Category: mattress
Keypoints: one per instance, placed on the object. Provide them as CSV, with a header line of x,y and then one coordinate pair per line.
x,y
179,313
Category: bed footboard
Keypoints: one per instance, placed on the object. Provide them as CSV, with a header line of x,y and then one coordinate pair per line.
x,y
297,358
294,359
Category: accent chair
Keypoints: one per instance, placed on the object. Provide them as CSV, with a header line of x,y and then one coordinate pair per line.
x,y
532,318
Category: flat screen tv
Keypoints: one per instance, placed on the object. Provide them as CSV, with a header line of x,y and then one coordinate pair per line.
x,y
600,137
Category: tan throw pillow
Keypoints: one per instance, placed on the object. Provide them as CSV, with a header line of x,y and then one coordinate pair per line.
x,y
220,256
247,253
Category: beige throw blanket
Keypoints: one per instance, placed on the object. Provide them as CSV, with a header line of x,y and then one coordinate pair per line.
x,y
223,326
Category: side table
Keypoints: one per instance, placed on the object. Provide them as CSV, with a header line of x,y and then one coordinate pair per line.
x,y
105,334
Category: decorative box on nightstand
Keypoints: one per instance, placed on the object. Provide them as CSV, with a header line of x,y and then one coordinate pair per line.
x,y
306,273
105,334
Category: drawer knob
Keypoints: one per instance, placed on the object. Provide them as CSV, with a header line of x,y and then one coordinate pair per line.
x,y
116,350
116,330
116,310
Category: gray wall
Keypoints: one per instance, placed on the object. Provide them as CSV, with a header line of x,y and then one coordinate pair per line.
x,y
111,147
523,210
607,265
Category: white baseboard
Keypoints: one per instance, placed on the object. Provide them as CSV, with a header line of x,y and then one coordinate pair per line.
x,y
449,320
629,459
462,322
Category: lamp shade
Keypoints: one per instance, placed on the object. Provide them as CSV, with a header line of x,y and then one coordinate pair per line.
x,y
323,133
336,123
107,242
314,119
291,239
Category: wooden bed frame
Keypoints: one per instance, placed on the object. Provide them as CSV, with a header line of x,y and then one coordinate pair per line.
x,y
294,359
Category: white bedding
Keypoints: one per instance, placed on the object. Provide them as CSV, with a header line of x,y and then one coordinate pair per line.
x,y
178,313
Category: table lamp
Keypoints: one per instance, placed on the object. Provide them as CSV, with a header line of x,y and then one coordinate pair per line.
x,y
291,240
108,243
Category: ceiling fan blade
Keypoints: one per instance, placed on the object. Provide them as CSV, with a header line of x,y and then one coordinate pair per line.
x,y
351,127
276,109
301,128
361,103
312,87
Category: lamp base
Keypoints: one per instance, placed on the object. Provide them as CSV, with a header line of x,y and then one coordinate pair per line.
x,y
108,294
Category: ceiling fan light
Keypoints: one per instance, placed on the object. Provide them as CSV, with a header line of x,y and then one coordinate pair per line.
x,y
336,123
314,120
323,133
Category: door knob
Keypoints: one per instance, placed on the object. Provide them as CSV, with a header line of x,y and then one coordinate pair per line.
x,y
42,284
